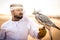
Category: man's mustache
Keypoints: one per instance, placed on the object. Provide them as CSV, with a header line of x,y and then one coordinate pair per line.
x,y
19,17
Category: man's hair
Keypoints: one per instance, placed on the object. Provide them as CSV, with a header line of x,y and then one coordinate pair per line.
x,y
13,5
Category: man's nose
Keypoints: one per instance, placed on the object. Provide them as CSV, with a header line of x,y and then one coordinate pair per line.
x,y
21,13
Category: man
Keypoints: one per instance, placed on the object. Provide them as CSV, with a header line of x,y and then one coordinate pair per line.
x,y
19,27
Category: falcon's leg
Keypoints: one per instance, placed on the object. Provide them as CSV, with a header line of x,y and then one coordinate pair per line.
x,y
50,34
48,27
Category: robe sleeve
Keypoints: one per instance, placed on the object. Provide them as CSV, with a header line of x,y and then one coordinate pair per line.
x,y
33,30
2,33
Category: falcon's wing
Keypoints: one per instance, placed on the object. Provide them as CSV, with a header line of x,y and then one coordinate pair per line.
x,y
45,19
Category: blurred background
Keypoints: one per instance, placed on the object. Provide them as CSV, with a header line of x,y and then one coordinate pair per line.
x,y
50,8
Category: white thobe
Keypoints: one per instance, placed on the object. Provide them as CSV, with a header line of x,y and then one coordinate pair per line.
x,y
18,30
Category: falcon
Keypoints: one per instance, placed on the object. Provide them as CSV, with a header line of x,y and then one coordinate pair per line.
x,y
44,20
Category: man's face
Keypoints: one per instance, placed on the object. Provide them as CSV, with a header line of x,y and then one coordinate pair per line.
x,y
17,13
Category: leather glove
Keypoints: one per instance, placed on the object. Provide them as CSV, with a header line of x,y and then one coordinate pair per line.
x,y
42,33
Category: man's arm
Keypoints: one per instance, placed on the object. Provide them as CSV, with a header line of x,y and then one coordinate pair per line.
x,y
36,31
2,34
33,32
38,34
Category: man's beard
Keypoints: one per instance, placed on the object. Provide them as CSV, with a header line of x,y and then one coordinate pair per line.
x,y
18,17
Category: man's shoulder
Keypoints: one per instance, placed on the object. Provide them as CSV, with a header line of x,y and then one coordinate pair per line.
x,y
27,19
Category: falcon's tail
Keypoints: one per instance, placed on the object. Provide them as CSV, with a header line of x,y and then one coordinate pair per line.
x,y
56,27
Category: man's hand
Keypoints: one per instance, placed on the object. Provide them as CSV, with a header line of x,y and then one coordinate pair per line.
x,y
42,33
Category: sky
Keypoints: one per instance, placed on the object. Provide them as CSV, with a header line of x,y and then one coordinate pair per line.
x,y
47,7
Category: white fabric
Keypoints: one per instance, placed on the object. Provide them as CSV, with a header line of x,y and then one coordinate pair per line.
x,y
19,30
15,7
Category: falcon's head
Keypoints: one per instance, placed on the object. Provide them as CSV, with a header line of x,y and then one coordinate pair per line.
x,y
36,13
